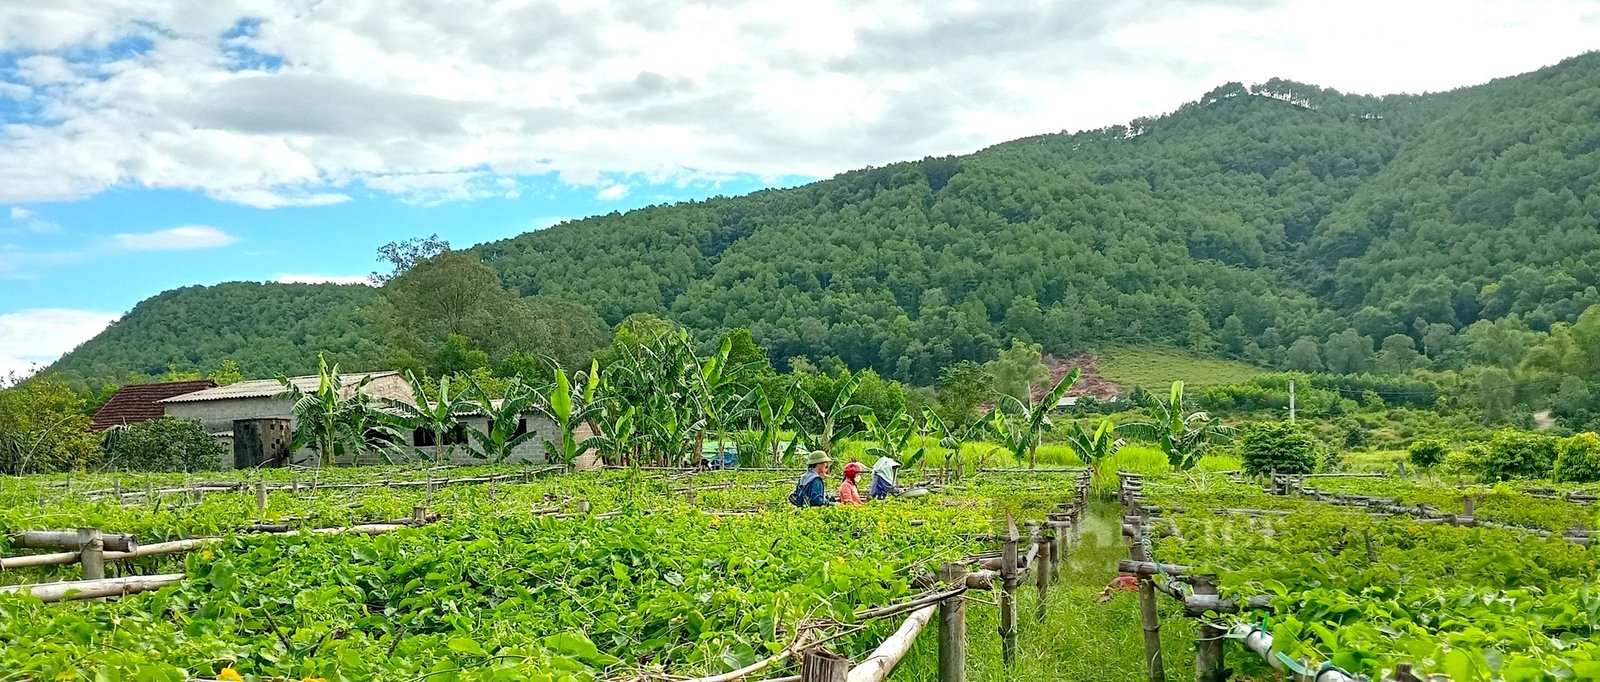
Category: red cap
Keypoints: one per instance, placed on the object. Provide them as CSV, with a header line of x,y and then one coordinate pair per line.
x,y
854,469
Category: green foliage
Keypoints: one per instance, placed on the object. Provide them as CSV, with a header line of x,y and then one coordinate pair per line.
x,y
1428,453
1578,459
1509,454
164,444
1017,368
1022,424
1094,445
227,373
963,387
1183,435
1282,447
44,426
499,437
336,420
266,329
1153,368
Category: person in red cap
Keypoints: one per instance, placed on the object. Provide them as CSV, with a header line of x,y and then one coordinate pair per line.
x,y
848,493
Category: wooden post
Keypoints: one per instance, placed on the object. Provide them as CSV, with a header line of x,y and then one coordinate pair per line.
x,y
116,488
819,665
149,491
1147,616
583,506
1041,566
92,553
1008,595
427,500
1469,507
953,627
1208,653
419,515
199,495
261,498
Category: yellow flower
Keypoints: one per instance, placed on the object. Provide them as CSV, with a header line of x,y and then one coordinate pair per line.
x,y
315,679
230,675
209,555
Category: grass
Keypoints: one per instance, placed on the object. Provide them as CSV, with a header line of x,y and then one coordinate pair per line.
x,y
1078,638
1157,368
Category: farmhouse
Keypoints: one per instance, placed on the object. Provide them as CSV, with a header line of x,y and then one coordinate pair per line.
x,y
136,403
251,412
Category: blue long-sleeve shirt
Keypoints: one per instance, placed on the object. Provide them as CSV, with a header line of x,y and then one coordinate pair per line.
x,y
881,488
811,491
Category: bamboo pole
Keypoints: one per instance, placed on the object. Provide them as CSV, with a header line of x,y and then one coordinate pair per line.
x,y
953,627
70,539
94,589
33,560
883,659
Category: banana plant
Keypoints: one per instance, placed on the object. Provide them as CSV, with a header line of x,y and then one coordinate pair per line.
x,y
1185,438
893,438
332,419
499,437
568,409
772,415
834,419
438,414
951,439
1094,446
1025,423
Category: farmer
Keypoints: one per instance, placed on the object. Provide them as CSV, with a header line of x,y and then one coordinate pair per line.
x,y
883,478
848,492
809,492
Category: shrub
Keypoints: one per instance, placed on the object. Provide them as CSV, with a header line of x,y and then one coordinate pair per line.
x,y
1578,459
1428,453
1510,454
1280,447
164,444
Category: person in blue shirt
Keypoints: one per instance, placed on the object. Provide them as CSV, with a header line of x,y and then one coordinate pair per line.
x,y
811,491
883,484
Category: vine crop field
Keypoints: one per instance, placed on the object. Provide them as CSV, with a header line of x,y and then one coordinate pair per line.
x,y
1362,574
540,576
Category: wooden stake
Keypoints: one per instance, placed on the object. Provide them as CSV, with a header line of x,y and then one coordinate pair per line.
x,y
1148,617
92,553
261,499
419,515
1008,595
953,627
1041,566
1208,653
819,665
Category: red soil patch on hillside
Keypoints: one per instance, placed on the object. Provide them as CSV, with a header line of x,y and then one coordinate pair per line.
x,y
1089,380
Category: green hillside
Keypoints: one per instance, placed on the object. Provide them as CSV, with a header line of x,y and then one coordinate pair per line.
x,y
1283,224
267,329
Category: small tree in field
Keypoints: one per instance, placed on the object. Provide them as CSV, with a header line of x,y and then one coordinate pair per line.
x,y
1021,425
1278,447
164,444
1428,453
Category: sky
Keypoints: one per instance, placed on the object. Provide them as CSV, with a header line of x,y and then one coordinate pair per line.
x,y
151,145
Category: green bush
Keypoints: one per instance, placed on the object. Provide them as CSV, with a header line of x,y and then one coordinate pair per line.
x,y
1428,453
164,444
1281,447
1510,454
1578,459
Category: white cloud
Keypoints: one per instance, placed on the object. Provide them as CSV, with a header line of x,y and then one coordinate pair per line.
x,y
612,192
36,337
20,213
294,278
172,239
439,101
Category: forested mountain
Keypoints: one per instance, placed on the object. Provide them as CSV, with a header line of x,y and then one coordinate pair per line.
x,y
267,329
1283,223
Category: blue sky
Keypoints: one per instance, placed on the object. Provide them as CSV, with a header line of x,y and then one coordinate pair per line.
x,y
151,145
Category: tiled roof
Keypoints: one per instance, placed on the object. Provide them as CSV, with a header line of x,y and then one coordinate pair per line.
x,y
266,388
136,403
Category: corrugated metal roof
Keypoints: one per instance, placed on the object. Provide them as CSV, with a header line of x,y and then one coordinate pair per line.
x,y
136,403
266,388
